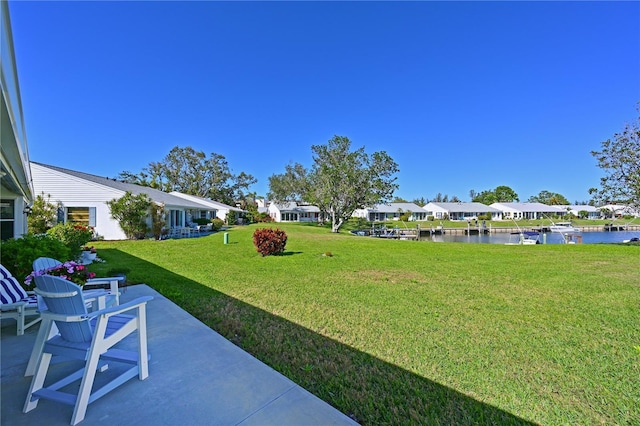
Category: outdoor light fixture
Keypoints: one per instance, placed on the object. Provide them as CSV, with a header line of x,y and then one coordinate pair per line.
x,y
27,210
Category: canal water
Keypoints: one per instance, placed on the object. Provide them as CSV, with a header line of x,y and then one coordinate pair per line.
x,y
551,237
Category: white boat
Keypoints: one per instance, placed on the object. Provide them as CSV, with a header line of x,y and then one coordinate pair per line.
x,y
563,228
524,238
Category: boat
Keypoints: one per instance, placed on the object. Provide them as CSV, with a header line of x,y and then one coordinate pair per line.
x,y
632,240
525,238
563,228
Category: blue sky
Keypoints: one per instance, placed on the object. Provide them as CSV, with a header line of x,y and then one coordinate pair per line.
x,y
462,95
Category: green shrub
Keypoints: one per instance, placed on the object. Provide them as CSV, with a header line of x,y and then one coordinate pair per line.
x,y
217,224
158,222
18,254
201,221
263,218
232,218
269,241
131,213
73,236
43,215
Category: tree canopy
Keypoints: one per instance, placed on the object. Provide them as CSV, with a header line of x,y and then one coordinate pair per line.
x,y
549,198
340,180
502,194
192,172
620,160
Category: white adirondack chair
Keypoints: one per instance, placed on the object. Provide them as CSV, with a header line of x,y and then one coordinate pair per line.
x,y
43,263
85,336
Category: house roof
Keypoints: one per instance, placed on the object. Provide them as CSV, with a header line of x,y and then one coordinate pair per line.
x,y
460,207
530,207
295,207
394,207
155,194
582,207
214,205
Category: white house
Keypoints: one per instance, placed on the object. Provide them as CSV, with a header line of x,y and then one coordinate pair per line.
x,y
391,211
517,211
16,190
216,209
293,212
593,212
619,210
461,211
82,199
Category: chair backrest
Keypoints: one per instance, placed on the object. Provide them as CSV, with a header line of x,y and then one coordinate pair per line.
x,y
42,263
10,289
65,298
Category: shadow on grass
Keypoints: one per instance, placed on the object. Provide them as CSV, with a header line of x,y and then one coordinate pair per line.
x,y
366,388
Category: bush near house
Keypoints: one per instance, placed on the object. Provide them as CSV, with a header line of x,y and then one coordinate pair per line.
x,y
18,254
131,212
217,224
73,236
269,241
43,215
232,218
263,218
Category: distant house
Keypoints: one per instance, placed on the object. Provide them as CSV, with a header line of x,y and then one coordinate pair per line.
x,y
619,210
391,211
293,212
461,211
216,209
82,199
592,212
517,211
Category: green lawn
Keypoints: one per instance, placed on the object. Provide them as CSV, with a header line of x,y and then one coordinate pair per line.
x,y
404,332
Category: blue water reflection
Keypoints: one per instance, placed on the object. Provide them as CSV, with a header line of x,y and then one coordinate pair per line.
x,y
551,238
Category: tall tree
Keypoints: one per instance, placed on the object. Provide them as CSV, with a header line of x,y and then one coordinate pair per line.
x,y
340,180
549,198
421,201
502,194
192,172
292,185
620,160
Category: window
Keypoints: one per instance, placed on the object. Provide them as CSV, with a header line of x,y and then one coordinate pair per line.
x,y
7,218
176,218
289,217
82,215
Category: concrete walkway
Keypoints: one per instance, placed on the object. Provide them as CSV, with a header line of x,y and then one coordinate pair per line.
x,y
196,377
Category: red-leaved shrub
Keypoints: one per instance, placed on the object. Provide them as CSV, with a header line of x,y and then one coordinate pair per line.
x,y
269,241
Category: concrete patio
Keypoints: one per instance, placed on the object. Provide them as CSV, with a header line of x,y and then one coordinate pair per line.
x,y
196,377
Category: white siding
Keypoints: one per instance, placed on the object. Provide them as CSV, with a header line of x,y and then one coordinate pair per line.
x,y
78,192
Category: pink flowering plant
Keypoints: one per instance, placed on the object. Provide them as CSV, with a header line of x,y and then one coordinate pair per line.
x,y
70,271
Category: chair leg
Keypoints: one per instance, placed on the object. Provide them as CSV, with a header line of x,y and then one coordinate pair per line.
x,y
45,333
20,320
115,291
93,358
38,381
143,358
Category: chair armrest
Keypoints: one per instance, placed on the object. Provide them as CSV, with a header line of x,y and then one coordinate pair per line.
x,y
11,306
120,308
105,280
